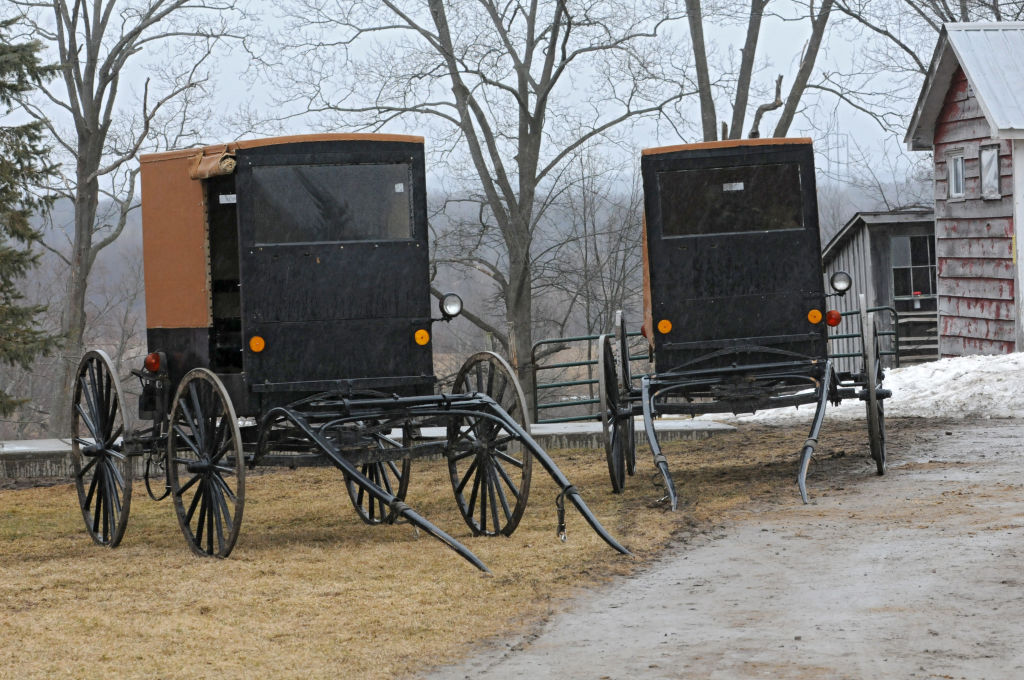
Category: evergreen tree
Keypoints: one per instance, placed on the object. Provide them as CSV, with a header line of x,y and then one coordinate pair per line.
x,y
24,166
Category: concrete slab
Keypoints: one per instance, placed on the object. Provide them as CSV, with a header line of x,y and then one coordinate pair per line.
x,y
52,457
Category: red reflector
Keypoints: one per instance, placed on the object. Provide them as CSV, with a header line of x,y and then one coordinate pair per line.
x,y
833,317
152,362
643,331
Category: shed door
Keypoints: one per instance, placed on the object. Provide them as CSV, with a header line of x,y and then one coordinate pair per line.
x,y
334,271
734,259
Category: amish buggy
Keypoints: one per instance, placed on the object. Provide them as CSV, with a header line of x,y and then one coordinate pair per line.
x,y
736,314
289,323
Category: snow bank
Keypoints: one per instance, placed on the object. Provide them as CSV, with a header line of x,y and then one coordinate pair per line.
x,y
961,387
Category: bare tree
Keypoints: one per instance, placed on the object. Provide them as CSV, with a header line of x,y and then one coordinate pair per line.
x,y
100,121
739,82
509,90
896,39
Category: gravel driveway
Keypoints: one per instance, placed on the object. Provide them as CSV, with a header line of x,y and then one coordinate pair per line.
x,y
917,574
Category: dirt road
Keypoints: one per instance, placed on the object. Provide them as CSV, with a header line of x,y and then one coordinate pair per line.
x,y
917,574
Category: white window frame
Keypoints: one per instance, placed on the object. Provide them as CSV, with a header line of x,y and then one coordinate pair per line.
x,y
988,164
957,183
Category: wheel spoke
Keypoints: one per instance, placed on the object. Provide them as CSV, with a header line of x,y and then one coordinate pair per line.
x,y
109,405
88,466
97,504
225,487
196,498
491,497
508,480
476,488
89,425
90,497
463,455
189,441
201,523
510,459
217,517
192,410
469,472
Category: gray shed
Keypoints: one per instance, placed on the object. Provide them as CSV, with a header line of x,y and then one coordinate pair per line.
x,y
891,257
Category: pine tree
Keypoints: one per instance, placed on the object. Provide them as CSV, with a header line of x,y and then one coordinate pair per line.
x,y
24,165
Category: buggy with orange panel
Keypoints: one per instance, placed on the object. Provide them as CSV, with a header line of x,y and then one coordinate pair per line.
x,y
289,323
735,307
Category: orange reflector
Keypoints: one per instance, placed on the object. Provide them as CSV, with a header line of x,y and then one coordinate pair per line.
x,y
422,337
664,326
814,316
257,344
152,362
833,317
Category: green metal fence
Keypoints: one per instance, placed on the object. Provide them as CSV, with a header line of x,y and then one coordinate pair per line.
x,y
894,334
585,404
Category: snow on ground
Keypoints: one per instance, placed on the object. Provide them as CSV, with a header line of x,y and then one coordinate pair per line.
x,y
959,387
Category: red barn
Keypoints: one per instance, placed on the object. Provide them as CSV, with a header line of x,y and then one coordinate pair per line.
x,y
971,116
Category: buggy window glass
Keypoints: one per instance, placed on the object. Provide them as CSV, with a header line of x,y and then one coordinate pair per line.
x,y
312,203
730,200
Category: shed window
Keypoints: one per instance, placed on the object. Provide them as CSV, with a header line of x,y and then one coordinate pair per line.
x,y
913,270
956,176
990,172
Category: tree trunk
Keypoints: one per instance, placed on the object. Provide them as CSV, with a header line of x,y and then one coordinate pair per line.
x,y
739,109
74,318
707,102
818,25
519,314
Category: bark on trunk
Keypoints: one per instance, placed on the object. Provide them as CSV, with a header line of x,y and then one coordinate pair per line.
x,y
806,66
707,103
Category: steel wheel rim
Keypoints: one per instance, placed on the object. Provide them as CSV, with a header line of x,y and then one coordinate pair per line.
x,y
484,459
102,471
872,383
611,425
207,486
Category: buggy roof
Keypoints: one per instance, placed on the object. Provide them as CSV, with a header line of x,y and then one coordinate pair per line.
x,y
725,144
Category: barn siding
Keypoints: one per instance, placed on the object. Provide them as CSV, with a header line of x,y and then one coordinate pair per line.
x,y
973,237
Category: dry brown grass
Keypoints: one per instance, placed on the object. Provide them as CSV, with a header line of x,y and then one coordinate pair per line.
x,y
311,591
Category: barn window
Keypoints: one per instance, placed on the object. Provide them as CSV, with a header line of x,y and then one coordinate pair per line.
x,y
956,176
990,172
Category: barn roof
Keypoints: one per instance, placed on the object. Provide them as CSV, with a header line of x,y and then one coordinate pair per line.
x,y
870,219
992,57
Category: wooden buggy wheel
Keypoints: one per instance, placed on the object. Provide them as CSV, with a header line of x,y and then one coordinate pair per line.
x,y
873,375
625,385
489,466
102,470
205,464
617,430
392,476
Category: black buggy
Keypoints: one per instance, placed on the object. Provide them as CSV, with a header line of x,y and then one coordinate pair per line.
x,y
289,323
735,309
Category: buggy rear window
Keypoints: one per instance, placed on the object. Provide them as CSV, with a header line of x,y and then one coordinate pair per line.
x,y
316,203
729,200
